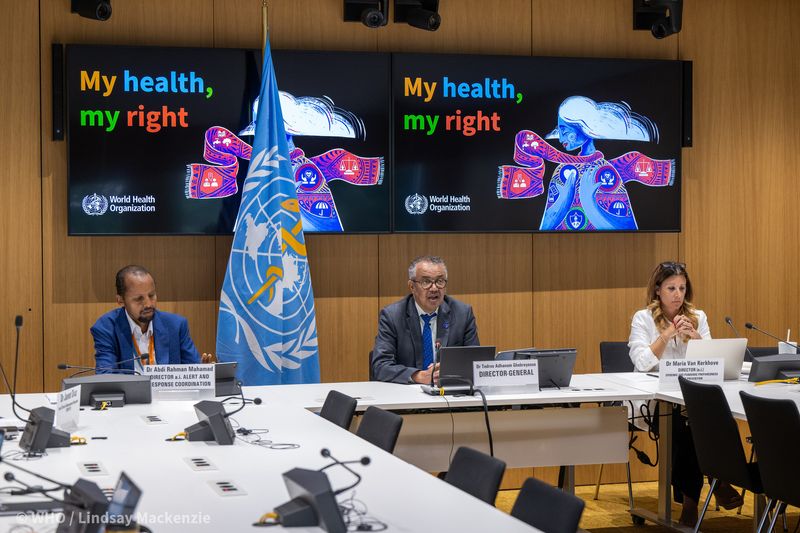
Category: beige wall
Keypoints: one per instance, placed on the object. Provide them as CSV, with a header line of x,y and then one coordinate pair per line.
x,y
740,192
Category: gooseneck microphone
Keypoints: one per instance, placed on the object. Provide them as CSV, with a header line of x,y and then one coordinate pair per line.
x,y
325,452
32,473
736,332
84,369
12,389
29,489
256,401
750,325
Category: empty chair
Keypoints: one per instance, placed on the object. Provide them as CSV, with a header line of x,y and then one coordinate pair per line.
x,y
476,473
717,443
547,508
380,428
338,408
775,428
615,357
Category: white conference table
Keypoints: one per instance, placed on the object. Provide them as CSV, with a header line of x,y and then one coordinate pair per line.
x,y
731,389
177,498
528,428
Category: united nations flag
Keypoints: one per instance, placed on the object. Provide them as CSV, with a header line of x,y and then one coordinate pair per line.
x,y
267,321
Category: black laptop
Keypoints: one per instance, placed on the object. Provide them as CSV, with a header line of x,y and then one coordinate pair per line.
x,y
555,366
455,368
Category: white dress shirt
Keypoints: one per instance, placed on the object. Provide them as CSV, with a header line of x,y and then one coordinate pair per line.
x,y
142,339
644,333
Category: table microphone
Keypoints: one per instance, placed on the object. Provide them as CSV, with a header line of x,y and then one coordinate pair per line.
x,y
325,452
29,489
736,332
750,325
32,473
84,369
12,389
256,401
436,348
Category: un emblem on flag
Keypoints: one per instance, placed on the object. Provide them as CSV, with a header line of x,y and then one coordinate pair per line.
x,y
416,204
94,204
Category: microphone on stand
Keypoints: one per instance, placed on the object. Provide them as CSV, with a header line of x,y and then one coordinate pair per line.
x,y
29,489
736,332
84,369
12,389
750,325
256,401
32,473
325,452
436,348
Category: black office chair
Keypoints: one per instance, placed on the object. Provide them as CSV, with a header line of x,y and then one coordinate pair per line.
x,y
717,443
339,409
614,357
547,508
759,351
476,473
380,428
775,427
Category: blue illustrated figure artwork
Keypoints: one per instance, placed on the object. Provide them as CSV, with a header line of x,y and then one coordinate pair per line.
x,y
586,191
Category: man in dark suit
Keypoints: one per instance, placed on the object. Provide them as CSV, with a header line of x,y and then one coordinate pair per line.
x,y
411,330
136,330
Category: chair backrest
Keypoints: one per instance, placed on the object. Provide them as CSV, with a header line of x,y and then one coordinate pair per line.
x,y
759,351
614,357
775,427
476,473
716,435
380,428
547,508
338,408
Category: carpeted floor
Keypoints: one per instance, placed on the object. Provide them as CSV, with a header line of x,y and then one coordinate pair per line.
x,y
610,511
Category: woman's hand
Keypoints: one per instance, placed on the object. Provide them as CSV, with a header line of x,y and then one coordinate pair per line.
x,y
684,326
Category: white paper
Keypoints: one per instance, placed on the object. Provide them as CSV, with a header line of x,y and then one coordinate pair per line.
x,y
68,408
181,377
515,373
709,370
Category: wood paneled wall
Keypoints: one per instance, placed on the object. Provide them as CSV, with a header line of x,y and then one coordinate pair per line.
x,y
740,190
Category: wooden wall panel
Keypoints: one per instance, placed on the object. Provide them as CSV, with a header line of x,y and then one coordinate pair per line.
x,y
20,203
740,183
344,271
594,28
586,288
468,27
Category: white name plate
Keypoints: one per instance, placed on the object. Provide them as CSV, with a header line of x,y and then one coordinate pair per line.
x,y
199,380
710,370
522,373
68,408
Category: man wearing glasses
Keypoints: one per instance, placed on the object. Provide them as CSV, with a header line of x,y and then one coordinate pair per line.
x,y
411,331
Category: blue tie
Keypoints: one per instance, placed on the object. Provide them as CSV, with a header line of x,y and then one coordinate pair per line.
x,y
427,341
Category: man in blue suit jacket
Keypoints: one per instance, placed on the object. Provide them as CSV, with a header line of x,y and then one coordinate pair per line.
x,y
137,330
399,352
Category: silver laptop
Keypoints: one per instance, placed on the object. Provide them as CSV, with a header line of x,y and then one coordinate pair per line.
x,y
455,368
730,350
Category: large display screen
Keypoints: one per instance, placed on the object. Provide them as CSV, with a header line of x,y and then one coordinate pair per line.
x,y
536,144
159,138
159,141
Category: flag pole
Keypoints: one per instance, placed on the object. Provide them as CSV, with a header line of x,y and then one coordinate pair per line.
x,y
264,25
